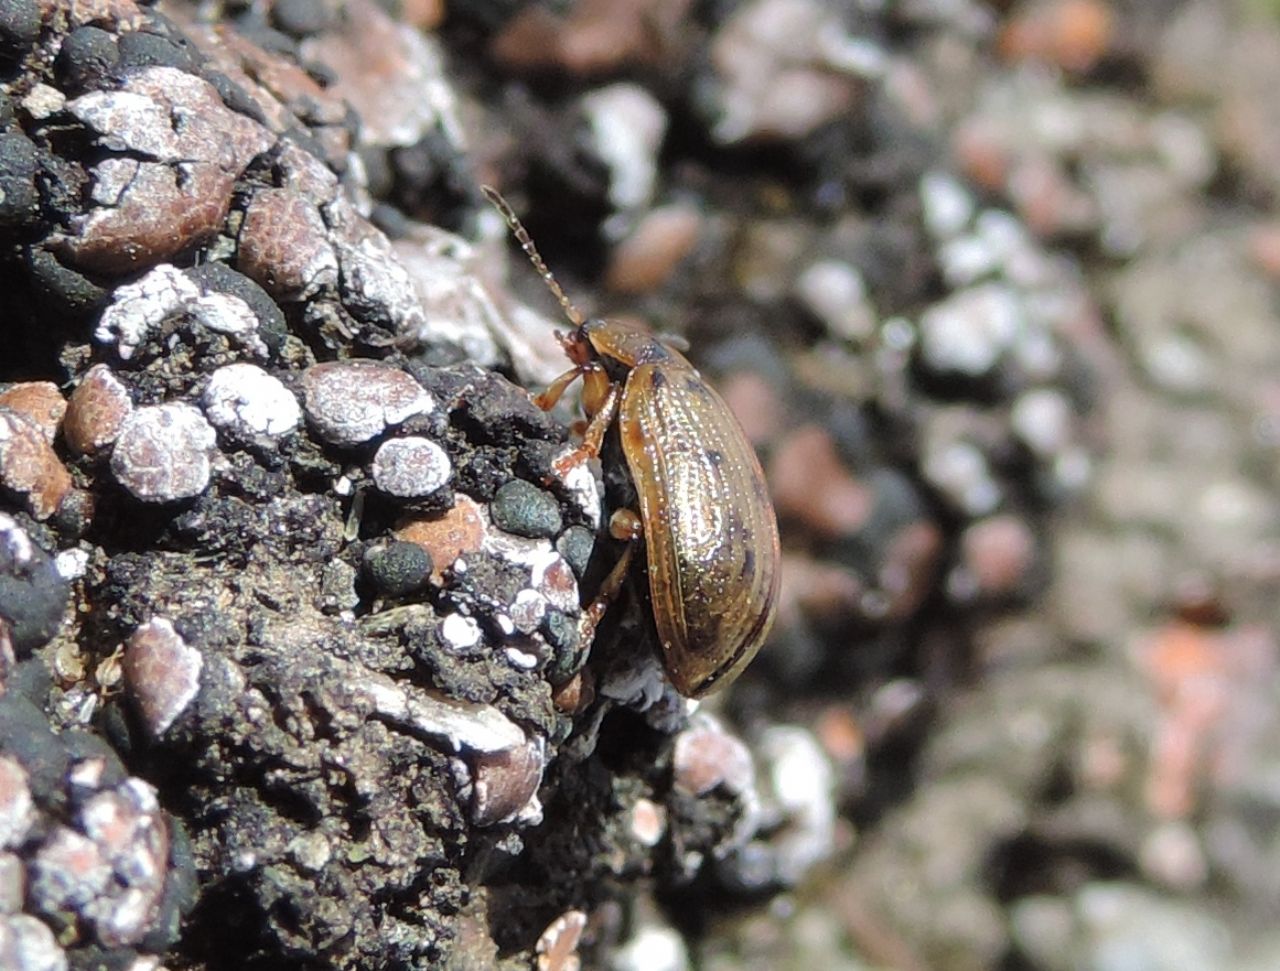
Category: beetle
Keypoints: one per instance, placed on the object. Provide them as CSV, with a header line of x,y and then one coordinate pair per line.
x,y
705,518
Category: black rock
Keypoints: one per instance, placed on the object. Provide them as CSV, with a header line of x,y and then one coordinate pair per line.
x,y
399,568
522,508
89,56
19,27
33,597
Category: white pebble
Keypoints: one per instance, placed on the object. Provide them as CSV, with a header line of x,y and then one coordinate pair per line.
x,y
835,293
948,206
410,467
164,452
246,399
461,632
350,402
970,331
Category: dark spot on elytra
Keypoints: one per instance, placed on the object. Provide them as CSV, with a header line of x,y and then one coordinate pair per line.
x,y
715,456
657,379
696,385
748,563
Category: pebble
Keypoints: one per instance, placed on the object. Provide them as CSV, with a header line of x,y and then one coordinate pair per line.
x,y
1124,927
522,508
96,411
1072,34
557,946
948,206
627,125
283,246
40,402
648,822
17,811
506,785
810,483
27,944
164,453
350,402
969,331
553,578
460,634
960,471
1042,418
1172,855
30,467
247,401
527,611
997,553
707,756
803,785
8,659
775,81
575,544
410,467
161,673
463,726
562,633
12,879
461,529
646,257
835,293
338,587
138,309
67,872
652,949
33,596
398,568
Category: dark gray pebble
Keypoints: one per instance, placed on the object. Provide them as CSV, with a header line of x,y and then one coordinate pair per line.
x,y
575,545
141,48
302,17
19,198
398,569
32,596
19,27
26,736
561,632
88,57
217,277
522,508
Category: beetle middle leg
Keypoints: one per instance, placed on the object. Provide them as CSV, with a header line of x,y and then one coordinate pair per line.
x,y
625,525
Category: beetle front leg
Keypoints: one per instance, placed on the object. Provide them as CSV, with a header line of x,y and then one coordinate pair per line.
x,y
602,416
556,389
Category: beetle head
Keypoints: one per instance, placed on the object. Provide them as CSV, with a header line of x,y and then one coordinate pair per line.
x,y
577,345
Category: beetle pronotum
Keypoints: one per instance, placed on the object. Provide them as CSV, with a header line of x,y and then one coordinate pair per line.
x,y
705,516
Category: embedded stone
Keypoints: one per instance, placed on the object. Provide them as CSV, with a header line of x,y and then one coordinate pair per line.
x,y
349,402
246,400
164,453
97,411
161,674
410,467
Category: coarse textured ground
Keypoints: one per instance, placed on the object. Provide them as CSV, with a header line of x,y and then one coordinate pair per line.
x,y
994,289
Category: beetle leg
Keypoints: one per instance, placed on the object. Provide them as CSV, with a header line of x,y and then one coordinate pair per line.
x,y
624,525
593,437
556,389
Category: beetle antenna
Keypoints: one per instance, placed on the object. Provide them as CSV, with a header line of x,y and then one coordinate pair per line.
x,y
526,243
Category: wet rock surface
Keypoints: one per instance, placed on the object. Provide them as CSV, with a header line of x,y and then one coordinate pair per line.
x,y
292,664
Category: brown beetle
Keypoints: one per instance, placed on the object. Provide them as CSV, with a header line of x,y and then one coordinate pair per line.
x,y
705,515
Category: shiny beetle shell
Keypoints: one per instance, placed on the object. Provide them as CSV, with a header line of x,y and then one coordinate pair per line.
x,y
709,529
710,532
